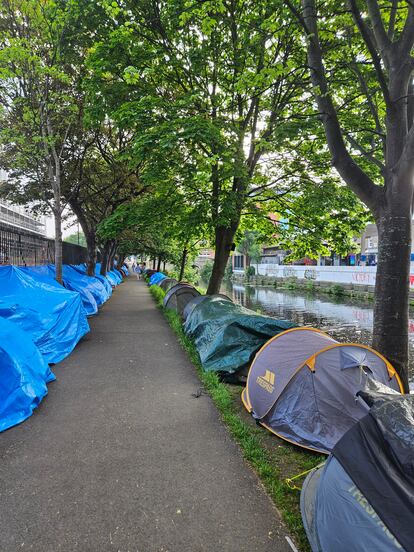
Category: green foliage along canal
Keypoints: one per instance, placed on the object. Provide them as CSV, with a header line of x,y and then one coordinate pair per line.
x,y
345,319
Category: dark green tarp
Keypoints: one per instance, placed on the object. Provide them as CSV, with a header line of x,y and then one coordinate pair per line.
x,y
227,335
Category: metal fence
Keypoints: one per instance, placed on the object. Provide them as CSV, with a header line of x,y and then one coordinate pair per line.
x,y
21,247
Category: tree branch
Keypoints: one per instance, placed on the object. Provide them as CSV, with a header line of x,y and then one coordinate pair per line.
x,y
349,170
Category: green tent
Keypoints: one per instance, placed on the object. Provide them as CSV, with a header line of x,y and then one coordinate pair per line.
x,y
227,335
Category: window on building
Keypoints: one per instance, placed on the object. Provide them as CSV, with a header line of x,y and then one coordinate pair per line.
x,y
238,261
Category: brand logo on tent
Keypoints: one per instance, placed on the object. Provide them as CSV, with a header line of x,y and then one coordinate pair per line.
x,y
267,381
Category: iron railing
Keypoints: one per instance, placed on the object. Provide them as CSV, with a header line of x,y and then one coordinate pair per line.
x,y
21,247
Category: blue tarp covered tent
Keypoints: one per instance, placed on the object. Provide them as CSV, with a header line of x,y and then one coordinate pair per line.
x,y
108,288
23,375
53,316
117,275
112,278
83,270
156,278
73,281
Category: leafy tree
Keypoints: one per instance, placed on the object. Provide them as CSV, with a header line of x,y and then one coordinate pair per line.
x,y
361,67
250,247
161,225
206,86
77,238
38,99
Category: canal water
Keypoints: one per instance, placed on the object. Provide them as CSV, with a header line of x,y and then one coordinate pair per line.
x,y
347,320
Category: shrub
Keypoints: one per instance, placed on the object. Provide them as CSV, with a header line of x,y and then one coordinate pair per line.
x,y
249,271
206,270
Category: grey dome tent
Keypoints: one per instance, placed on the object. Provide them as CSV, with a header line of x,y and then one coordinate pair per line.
x,y
199,299
302,386
178,296
362,498
167,283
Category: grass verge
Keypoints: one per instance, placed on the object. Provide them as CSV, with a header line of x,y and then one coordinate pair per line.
x,y
273,459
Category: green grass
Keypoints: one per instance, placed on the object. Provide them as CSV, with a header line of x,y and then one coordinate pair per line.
x,y
274,460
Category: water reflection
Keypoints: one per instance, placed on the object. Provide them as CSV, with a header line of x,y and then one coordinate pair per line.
x,y
345,319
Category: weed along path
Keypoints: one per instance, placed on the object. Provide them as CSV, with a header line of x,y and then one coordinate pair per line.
x,y
122,456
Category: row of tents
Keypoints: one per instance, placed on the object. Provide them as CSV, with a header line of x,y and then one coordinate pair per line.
x,y
41,323
341,399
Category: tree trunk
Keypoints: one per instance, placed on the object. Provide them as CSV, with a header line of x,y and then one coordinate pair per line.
x,y
159,264
183,263
121,261
390,335
153,263
58,244
105,257
223,245
163,268
112,256
91,254
90,235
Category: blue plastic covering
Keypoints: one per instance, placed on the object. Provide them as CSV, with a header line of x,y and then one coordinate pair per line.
x,y
73,281
112,278
23,375
125,269
53,317
108,288
156,278
117,275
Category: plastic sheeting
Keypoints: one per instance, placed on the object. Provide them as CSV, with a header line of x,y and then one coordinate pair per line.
x,y
53,317
113,276
73,281
108,288
76,281
157,278
117,275
199,299
23,375
227,335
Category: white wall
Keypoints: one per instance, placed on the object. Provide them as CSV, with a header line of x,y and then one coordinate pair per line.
x,y
357,275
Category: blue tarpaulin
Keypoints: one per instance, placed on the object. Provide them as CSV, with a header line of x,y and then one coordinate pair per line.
x,y
156,278
117,275
73,281
53,316
93,284
112,278
83,270
23,375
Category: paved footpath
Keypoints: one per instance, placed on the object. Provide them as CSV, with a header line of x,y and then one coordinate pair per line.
x,y
121,457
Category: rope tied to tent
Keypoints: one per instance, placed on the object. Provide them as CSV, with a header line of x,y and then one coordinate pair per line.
x,y
290,480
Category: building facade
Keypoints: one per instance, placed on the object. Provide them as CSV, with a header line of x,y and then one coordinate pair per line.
x,y
19,216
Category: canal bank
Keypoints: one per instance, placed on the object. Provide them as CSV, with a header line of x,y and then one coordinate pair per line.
x,y
352,281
